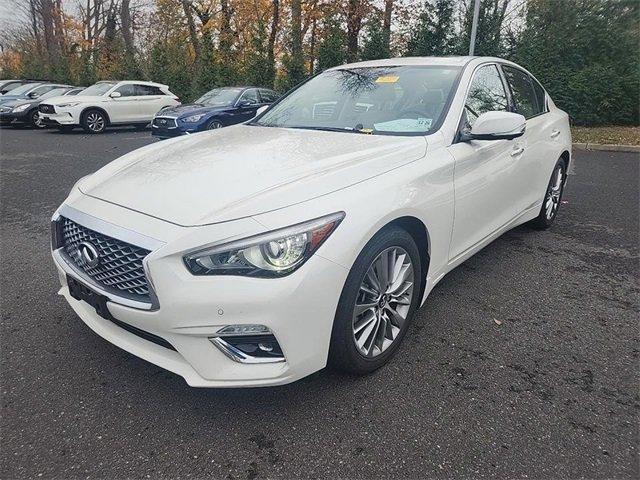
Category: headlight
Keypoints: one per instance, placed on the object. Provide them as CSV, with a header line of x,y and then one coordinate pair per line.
x,y
272,254
193,118
68,105
20,108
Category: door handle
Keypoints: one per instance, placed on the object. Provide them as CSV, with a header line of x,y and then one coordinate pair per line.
x,y
555,133
517,151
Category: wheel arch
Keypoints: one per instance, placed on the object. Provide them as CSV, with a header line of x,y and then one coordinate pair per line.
x,y
101,110
420,234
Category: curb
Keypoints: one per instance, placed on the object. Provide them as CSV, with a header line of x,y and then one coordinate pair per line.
x,y
607,148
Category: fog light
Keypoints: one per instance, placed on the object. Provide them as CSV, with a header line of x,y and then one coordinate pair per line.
x,y
248,344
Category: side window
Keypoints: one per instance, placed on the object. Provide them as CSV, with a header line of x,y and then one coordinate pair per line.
x,y
540,96
486,94
249,97
522,91
128,90
37,92
268,96
142,90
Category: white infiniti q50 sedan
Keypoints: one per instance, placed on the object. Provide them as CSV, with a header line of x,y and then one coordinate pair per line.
x,y
258,254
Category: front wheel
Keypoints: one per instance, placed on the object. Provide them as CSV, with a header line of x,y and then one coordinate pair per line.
x,y
552,197
35,120
378,301
214,125
94,121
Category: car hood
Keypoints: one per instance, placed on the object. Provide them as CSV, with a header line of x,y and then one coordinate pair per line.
x,y
14,103
244,170
192,109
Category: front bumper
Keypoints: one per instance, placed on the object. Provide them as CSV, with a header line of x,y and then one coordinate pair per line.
x,y
10,117
58,119
166,132
298,309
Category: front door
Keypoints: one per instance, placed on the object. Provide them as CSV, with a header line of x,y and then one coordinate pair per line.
x,y
247,106
485,194
123,109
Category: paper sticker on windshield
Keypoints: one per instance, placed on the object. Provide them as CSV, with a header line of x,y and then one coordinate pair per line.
x,y
405,125
387,79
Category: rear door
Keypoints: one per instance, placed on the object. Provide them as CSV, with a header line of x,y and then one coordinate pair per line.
x,y
540,150
150,100
484,169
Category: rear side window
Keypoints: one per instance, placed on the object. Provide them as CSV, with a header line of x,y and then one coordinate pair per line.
x,y
268,96
142,90
486,94
540,96
524,96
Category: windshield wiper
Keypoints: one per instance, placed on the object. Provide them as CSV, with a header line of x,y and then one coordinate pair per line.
x,y
335,129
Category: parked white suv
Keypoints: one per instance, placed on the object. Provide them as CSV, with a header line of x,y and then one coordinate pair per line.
x,y
258,253
107,103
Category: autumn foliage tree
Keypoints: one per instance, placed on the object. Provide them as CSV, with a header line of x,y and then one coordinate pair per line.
x,y
584,51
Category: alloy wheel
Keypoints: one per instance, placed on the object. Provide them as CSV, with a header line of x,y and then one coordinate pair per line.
x,y
383,301
214,125
95,122
37,121
552,201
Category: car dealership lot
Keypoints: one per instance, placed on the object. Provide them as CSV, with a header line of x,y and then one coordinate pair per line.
x,y
523,361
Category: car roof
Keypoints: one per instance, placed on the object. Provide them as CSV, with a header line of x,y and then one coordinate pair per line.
x,y
409,61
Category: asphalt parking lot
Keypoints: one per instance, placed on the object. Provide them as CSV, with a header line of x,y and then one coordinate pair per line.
x,y
523,362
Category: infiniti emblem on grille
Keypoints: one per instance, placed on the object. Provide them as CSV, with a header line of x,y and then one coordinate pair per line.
x,y
89,254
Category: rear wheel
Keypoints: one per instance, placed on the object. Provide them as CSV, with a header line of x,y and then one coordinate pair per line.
x,y
94,121
552,198
35,120
377,303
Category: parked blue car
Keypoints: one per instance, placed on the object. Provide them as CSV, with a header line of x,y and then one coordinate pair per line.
x,y
217,108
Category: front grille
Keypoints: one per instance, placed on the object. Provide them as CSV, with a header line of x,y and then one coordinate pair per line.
x,y
119,268
163,122
44,108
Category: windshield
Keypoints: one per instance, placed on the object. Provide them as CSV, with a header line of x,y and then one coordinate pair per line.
x,y
98,89
383,100
23,89
53,93
219,96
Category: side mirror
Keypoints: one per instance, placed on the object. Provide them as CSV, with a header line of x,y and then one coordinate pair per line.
x,y
115,94
33,95
497,126
261,110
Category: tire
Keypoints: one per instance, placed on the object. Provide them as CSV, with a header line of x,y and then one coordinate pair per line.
x,y
35,121
93,121
356,347
214,125
552,198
